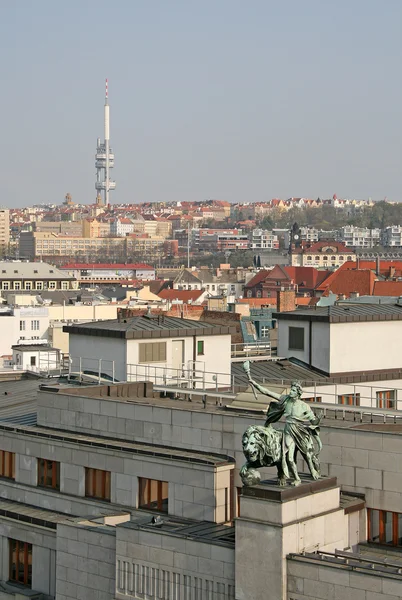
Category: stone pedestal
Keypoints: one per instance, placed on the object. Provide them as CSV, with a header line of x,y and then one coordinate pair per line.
x,y
275,522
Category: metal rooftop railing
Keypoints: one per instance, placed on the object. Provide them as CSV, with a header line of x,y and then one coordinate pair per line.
x,y
352,561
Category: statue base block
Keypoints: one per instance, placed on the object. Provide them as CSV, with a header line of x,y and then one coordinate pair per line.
x,y
284,505
277,521
270,490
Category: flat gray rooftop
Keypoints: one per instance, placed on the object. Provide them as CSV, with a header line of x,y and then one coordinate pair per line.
x,y
18,400
276,371
147,327
202,531
382,565
164,452
345,313
30,514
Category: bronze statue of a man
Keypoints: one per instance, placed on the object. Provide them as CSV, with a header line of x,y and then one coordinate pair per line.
x,y
301,432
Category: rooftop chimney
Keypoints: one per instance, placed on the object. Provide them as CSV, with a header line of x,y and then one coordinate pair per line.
x,y
377,265
285,300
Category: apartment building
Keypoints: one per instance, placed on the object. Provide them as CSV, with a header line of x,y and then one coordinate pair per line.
x,y
264,239
360,237
121,227
21,276
92,228
109,272
329,254
4,228
60,227
25,325
45,245
392,236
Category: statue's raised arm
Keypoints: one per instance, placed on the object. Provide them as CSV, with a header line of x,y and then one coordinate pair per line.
x,y
263,390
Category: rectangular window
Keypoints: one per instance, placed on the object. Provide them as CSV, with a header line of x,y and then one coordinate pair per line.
x,y
20,563
22,325
48,473
7,464
52,285
33,361
152,352
153,494
17,285
349,399
264,331
296,338
386,399
97,484
6,285
313,399
39,285
200,347
64,285
28,285
35,325
384,527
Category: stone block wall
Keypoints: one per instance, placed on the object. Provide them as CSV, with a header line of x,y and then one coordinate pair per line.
x,y
43,556
323,582
157,565
195,490
85,568
363,460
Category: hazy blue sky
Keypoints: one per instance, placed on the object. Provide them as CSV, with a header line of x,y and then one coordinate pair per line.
x,y
229,99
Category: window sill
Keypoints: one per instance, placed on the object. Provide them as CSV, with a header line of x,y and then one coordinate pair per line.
x,y
48,487
12,587
106,500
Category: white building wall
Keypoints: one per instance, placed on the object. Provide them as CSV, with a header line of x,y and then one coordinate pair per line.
x,y
346,347
91,349
321,340
365,346
367,391
125,354
283,340
216,359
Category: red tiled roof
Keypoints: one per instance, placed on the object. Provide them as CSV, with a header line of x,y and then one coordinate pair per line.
x,y
388,268
258,277
307,277
346,281
318,246
183,295
387,288
258,301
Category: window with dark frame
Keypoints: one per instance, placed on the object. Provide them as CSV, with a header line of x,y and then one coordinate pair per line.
x,y
48,473
349,399
384,527
386,399
200,347
152,352
7,464
153,494
20,563
97,484
296,338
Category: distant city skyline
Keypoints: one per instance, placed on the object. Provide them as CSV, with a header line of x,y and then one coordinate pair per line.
x,y
225,100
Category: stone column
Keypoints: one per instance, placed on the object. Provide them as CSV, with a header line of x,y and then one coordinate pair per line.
x,y
275,522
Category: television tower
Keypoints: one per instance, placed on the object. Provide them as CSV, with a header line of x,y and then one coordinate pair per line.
x,y
104,160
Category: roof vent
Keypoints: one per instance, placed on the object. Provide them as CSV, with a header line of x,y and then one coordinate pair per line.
x,y
148,313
